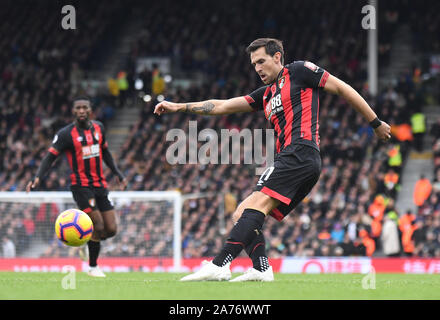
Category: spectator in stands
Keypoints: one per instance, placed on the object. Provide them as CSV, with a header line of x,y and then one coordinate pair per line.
x,y
367,242
391,181
418,125
123,87
36,81
8,248
435,129
407,226
337,233
377,210
422,191
395,158
390,237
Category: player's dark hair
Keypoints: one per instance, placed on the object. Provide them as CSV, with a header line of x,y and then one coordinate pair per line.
x,y
83,97
271,45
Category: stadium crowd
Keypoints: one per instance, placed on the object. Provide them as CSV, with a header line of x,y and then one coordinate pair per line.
x,y
344,215
41,66
426,220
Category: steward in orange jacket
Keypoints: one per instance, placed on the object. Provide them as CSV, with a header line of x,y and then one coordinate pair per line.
x,y
407,227
369,243
376,210
422,191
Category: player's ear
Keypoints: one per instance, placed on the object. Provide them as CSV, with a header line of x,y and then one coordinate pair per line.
x,y
277,57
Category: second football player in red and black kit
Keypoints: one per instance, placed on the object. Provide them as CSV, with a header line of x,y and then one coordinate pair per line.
x,y
85,146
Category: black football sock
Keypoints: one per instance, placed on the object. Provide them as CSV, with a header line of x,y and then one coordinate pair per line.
x,y
242,234
257,252
94,248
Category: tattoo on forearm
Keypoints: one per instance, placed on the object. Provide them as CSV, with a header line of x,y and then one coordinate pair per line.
x,y
206,108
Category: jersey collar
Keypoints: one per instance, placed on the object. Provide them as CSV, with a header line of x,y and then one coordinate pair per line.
x,y
280,75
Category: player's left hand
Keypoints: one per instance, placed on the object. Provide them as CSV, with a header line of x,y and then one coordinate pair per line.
x,y
383,132
32,184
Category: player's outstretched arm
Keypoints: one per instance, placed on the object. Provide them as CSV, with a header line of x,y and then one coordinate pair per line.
x,y
339,87
208,107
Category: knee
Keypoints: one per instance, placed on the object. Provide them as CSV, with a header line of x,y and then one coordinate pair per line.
x,y
98,231
248,202
264,203
258,201
111,231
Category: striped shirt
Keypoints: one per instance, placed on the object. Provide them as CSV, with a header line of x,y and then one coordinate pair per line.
x,y
291,104
83,148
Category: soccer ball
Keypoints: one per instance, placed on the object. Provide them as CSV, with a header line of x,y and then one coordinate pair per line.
x,y
73,227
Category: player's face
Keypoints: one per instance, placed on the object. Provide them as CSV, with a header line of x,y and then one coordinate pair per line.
x,y
82,110
265,65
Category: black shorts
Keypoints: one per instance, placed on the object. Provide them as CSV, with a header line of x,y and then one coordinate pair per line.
x,y
89,199
294,173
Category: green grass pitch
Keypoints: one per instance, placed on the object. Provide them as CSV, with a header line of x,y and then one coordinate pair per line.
x,y
166,286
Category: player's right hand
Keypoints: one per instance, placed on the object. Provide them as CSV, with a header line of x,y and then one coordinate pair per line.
x,y
166,107
32,184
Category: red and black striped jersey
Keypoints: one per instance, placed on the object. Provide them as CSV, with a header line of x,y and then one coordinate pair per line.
x,y
291,104
83,148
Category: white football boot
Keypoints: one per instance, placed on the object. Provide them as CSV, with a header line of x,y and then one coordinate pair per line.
x,y
255,275
210,272
96,272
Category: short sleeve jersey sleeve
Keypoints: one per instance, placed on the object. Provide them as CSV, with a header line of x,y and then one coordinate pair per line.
x,y
255,98
104,143
309,74
60,142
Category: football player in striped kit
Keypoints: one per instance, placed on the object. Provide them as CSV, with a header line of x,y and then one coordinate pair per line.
x,y
290,101
84,144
